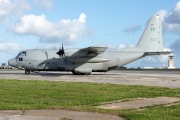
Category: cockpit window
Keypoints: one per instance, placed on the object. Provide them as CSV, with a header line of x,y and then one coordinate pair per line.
x,y
21,54
17,56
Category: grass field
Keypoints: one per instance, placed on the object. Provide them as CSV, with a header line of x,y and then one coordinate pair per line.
x,y
30,95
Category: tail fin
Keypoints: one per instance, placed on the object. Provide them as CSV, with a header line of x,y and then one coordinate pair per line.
x,y
151,40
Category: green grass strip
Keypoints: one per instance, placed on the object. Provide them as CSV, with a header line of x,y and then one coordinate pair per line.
x,y
29,95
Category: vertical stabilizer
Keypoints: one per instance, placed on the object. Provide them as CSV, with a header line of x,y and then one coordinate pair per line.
x,y
151,40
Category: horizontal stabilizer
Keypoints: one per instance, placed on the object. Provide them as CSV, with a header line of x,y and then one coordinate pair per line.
x,y
157,53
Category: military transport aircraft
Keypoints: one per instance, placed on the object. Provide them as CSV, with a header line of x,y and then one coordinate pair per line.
x,y
92,59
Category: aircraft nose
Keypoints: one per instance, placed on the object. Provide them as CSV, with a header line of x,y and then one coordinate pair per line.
x,y
12,62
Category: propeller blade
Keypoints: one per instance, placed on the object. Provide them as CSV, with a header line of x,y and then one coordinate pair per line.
x,y
61,53
62,47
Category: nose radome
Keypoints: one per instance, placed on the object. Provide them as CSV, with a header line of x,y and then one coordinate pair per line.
x,y
12,62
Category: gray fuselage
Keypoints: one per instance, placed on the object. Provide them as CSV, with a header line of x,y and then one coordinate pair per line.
x,y
48,60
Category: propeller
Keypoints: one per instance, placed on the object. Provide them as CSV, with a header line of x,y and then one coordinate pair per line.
x,y
61,53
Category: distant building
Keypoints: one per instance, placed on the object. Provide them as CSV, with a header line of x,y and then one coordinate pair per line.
x,y
4,66
171,62
148,67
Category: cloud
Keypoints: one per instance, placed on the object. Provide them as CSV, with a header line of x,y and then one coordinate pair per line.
x,y
12,8
164,58
171,23
150,59
133,28
63,30
44,3
121,46
8,47
57,46
173,17
160,59
175,46
171,20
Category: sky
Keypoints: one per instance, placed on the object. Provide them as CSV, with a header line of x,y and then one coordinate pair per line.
x,y
46,24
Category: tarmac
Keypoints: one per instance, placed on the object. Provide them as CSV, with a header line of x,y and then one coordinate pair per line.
x,y
170,79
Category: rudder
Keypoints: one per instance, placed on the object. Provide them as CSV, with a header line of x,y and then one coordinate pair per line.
x,y
151,39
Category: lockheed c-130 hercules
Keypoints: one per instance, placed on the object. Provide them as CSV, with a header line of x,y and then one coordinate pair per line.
x,y
92,59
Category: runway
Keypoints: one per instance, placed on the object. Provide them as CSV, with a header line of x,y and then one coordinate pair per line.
x,y
160,78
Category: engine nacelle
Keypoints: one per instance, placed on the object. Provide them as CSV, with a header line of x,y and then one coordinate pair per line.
x,y
82,70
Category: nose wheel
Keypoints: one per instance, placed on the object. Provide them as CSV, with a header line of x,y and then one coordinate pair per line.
x,y
27,72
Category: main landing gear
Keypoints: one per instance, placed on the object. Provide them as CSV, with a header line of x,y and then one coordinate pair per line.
x,y
78,73
27,72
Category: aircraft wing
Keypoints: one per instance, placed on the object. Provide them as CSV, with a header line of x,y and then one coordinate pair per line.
x,y
88,55
94,49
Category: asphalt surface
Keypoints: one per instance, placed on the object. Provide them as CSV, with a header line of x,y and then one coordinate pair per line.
x,y
169,79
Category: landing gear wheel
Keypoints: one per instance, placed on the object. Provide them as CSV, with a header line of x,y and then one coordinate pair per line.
x,y
74,73
27,72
